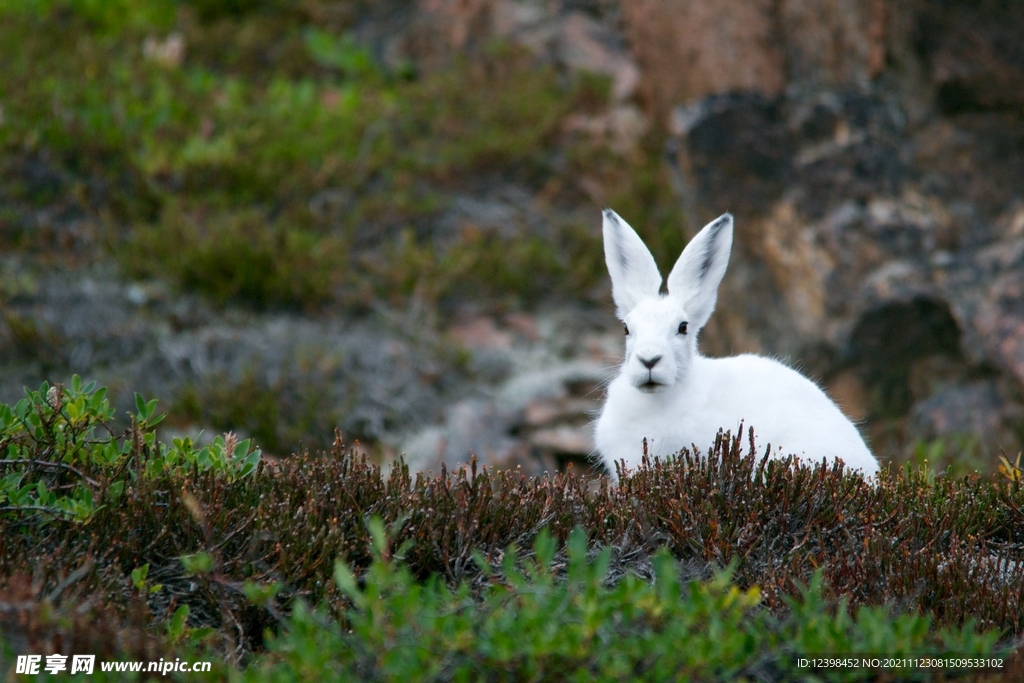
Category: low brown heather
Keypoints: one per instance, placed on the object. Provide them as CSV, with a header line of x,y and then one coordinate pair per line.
x,y
948,547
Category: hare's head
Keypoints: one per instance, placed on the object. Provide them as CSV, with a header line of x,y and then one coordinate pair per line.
x,y
661,329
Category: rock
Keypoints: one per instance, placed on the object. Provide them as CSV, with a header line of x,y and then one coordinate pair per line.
x,y
972,53
461,22
835,42
937,372
168,53
387,380
364,376
963,54
862,249
621,126
544,412
1000,321
736,148
975,410
523,325
847,390
471,427
541,412
562,428
585,44
574,35
539,417
688,49
481,333
574,39
564,440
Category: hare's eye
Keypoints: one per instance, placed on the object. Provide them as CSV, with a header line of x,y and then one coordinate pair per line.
x,y
682,328
625,328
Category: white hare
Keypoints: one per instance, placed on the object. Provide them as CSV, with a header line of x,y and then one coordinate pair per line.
x,y
669,394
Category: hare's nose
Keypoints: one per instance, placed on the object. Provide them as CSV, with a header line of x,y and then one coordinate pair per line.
x,y
649,363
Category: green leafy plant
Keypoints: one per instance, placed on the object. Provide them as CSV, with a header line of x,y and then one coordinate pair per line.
x,y
139,575
555,616
181,635
198,564
57,450
225,455
60,457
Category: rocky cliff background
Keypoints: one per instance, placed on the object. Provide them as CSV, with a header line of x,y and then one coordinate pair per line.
x,y
872,152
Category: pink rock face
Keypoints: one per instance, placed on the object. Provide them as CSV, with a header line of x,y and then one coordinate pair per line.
x,y
835,42
584,45
688,49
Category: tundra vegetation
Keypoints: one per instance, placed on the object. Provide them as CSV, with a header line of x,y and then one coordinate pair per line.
x,y
325,566
197,168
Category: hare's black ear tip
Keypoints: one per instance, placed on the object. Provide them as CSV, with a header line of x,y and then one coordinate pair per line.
x,y
723,221
607,212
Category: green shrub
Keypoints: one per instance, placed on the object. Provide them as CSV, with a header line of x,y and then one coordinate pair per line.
x,y
61,459
237,256
478,265
535,622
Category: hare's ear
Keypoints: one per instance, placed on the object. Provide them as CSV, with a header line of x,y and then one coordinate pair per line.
x,y
633,270
695,277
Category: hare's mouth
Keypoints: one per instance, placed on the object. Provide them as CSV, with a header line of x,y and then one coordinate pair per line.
x,y
650,386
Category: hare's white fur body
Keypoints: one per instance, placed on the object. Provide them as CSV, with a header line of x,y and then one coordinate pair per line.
x,y
670,395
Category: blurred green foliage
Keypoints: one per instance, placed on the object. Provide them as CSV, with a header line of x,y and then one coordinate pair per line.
x,y
956,454
283,417
255,152
105,17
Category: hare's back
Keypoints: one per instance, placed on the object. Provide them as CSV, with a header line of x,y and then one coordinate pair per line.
x,y
760,377
760,386
787,409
